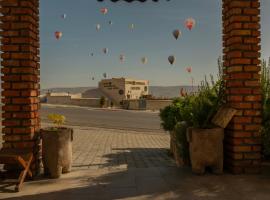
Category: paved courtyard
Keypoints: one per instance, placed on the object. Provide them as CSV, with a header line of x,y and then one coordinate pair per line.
x,y
117,164
108,148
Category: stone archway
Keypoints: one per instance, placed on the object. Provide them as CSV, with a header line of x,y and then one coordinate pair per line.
x,y
20,79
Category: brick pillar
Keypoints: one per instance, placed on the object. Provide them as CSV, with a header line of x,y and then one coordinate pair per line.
x,y
20,75
241,42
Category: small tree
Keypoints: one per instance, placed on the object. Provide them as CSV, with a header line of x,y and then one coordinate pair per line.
x,y
102,101
56,119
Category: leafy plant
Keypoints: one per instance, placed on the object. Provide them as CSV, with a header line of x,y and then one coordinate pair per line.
x,y
57,119
194,110
210,97
265,86
179,110
181,139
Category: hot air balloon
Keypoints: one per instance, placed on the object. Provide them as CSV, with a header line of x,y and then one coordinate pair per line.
x,y
176,33
105,75
190,23
144,60
58,35
98,27
189,69
171,59
122,58
132,26
105,50
63,16
104,11
110,22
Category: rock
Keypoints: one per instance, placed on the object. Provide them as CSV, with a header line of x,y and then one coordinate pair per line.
x,y
206,149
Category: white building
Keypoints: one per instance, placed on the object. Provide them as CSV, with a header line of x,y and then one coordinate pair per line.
x,y
119,89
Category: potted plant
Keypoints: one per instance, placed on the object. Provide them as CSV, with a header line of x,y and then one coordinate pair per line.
x,y
56,147
205,139
175,119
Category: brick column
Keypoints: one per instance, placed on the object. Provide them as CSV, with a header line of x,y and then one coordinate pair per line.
x,y
20,75
241,42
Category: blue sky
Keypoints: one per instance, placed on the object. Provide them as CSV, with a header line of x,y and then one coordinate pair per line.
x,y
66,63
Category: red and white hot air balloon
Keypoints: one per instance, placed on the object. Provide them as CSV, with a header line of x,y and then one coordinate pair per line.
x,y
104,11
189,69
190,23
58,35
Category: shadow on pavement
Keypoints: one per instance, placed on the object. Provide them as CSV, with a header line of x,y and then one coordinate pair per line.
x,y
145,183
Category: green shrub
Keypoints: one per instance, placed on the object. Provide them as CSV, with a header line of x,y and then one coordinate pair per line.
x,y
102,101
194,110
210,98
179,110
181,139
207,102
171,114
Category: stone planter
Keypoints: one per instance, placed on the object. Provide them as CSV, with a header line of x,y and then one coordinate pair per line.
x,y
56,151
206,149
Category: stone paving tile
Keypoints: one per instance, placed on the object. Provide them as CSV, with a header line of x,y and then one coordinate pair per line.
x,y
109,148
113,164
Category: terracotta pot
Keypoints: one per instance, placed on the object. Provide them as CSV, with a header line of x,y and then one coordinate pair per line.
x,y
57,151
206,149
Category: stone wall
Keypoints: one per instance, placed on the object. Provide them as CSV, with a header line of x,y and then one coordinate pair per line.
x,y
68,100
154,105
157,104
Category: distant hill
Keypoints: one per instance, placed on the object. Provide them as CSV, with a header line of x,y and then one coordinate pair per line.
x,y
169,91
156,91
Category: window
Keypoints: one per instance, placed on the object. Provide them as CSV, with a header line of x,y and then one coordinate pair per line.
x,y
121,92
145,88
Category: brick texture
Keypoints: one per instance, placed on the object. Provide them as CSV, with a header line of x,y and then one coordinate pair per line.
x,y
241,42
20,75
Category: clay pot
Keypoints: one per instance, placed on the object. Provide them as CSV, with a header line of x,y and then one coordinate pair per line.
x,y
56,151
206,149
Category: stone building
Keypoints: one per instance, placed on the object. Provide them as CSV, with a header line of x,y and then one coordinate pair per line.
x,y
119,89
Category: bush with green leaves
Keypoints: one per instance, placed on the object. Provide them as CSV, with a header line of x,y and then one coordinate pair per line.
x,y
179,110
102,101
265,85
196,110
207,102
181,139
